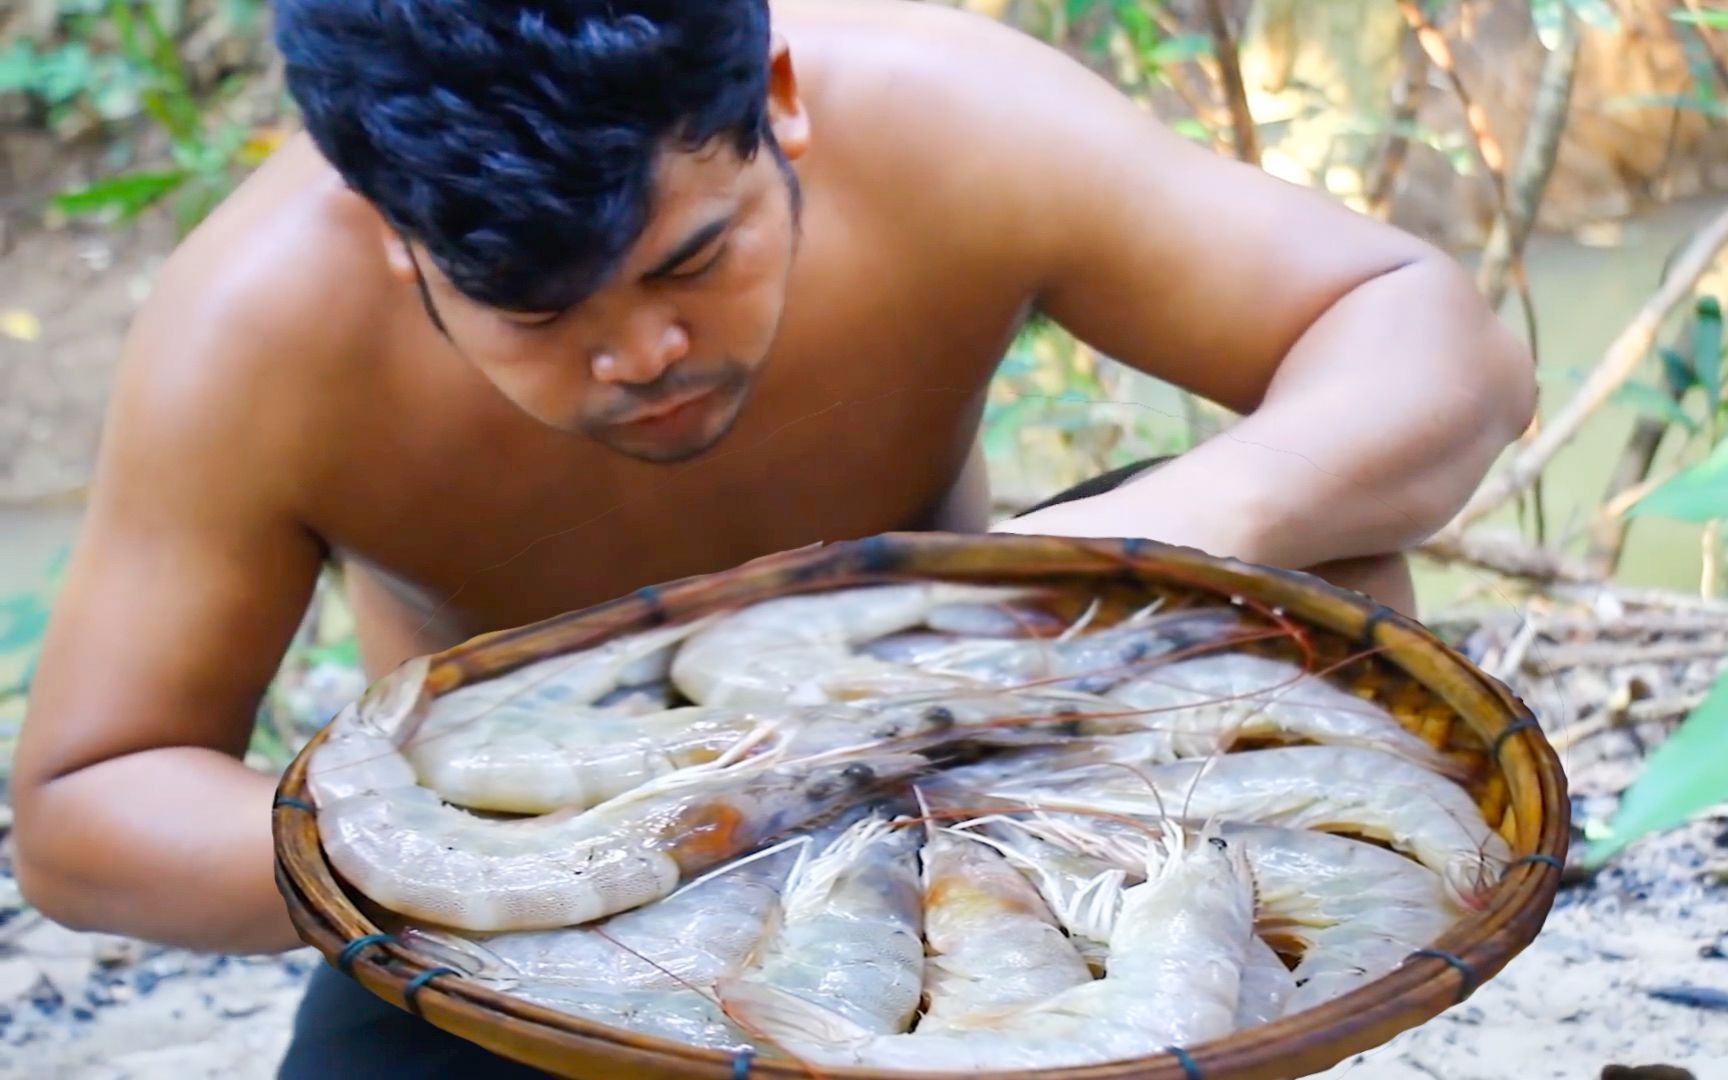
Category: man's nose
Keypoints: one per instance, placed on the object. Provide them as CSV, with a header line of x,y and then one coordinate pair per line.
x,y
643,349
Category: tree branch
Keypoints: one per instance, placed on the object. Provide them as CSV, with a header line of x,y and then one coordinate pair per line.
x,y
1548,111
1230,71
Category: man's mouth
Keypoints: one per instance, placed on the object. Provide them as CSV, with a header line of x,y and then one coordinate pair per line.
x,y
666,408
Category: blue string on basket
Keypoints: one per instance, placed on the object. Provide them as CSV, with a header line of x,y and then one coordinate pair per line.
x,y
1523,723
1468,985
410,993
1541,857
351,951
741,1063
1379,615
1190,1068
296,804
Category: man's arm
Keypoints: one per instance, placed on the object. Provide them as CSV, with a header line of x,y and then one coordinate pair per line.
x,y
1379,387
135,814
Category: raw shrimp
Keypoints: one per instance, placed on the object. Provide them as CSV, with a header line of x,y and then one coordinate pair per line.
x,y
799,649
525,762
849,939
410,852
1198,707
1356,910
694,936
1083,891
1337,788
1090,662
992,940
533,740
681,1015
1266,986
634,661
539,762
1177,953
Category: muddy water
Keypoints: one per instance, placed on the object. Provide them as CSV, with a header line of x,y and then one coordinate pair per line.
x,y
1584,294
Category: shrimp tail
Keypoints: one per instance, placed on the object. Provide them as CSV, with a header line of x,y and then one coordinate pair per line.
x,y
784,1019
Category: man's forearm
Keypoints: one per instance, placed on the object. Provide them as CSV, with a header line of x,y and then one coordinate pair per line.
x,y
1380,423
169,845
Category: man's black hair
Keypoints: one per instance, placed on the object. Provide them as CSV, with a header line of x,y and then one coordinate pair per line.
x,y
517,139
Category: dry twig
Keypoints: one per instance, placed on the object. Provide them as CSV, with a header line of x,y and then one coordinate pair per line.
x,y
1235,93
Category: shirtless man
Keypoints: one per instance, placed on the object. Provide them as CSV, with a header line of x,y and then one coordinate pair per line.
x,y
564,298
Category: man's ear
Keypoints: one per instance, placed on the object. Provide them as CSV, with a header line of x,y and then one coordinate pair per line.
x,y
786,114
396,254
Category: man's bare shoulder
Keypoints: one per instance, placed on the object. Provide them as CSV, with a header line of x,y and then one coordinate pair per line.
x,y
256,330
265,317
944,115
281,281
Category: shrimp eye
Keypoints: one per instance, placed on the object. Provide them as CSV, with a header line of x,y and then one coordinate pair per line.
x,y
820,790
1218,842
858,773
939,716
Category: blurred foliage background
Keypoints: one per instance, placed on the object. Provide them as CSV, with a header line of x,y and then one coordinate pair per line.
x,y
1573,152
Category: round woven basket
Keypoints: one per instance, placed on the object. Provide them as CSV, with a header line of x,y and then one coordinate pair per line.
x,y
1434,691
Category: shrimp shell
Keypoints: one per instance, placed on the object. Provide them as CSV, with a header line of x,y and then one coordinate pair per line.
x,y
413,854
799,649
1177,955
1198,707
993,942
1336,788
849,941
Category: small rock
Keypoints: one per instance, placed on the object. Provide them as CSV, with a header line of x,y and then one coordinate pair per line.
x,y
1645,1072
113,951
1698,997
79,1012
18,976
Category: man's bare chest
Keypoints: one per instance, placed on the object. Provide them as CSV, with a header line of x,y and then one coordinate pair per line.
x,y
464,532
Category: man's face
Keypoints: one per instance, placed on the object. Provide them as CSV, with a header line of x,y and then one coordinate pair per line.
x,y
658,362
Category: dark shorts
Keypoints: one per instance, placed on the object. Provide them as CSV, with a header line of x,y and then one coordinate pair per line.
x,y
343,1030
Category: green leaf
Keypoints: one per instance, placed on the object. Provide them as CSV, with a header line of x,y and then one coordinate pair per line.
x,y
18,66
127,194
1547,15
1653,402
1684,775
1180,49
1000,430
1192,128
1693,103
22,620
344,652
1676,372
1699,494
1707,347
1597,13
1710,18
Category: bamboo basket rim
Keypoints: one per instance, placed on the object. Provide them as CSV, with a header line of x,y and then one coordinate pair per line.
x,y
1472,951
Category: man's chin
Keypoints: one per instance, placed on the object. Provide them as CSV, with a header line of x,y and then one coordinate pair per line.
x,y
671,448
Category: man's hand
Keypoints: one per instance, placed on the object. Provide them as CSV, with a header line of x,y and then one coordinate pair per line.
x,y
1109,516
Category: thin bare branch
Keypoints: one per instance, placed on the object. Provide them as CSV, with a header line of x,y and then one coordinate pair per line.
x,y
1548,111
1235,92
1506,553
1406,104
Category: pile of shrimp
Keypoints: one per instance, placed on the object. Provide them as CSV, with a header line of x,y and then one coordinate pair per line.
x,y
920,825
